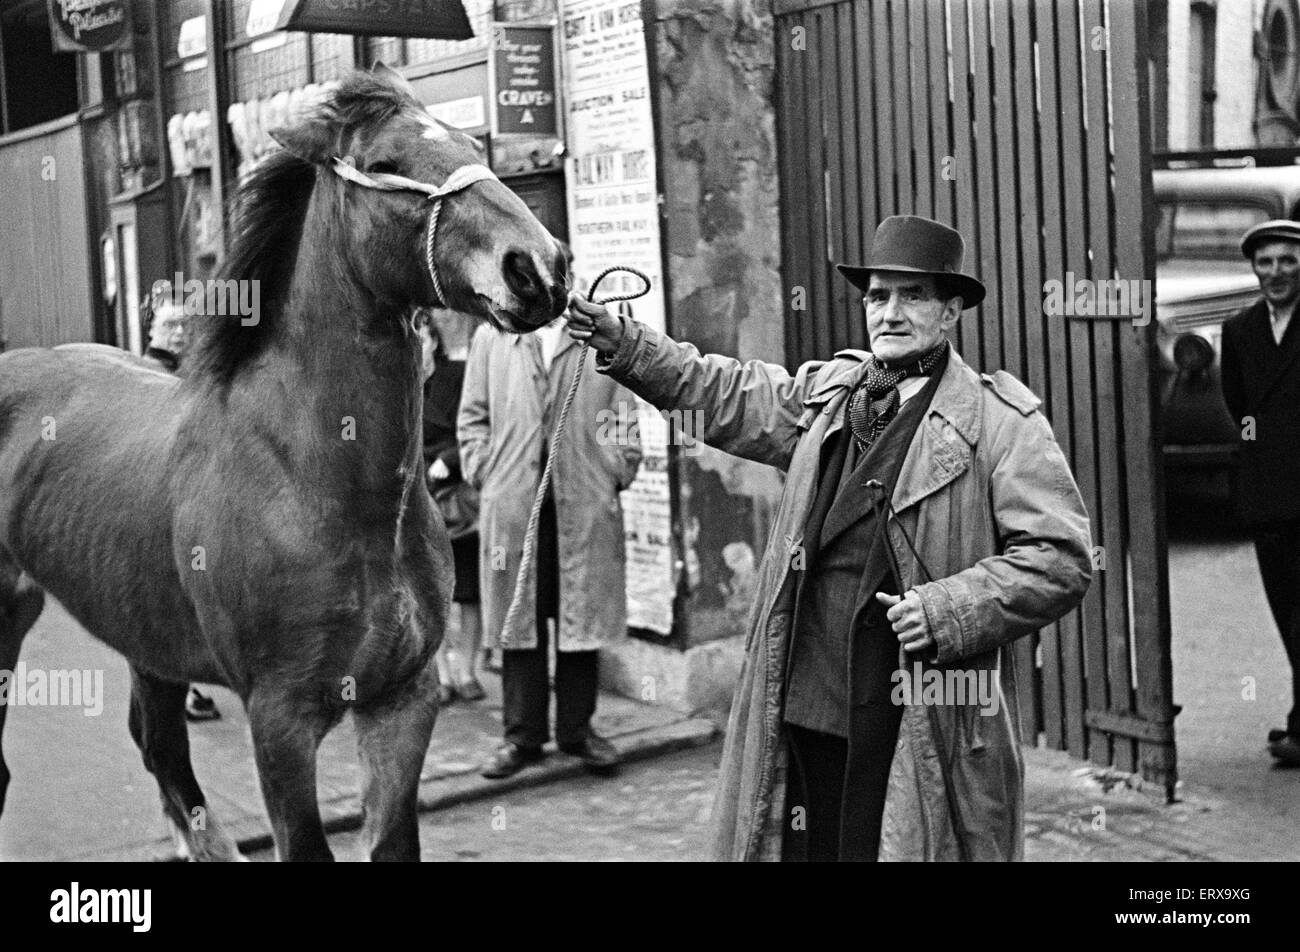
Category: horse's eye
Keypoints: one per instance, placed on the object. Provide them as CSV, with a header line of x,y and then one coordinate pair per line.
x,y
382,168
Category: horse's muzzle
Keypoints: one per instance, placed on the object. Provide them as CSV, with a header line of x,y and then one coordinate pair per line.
x,y
543,299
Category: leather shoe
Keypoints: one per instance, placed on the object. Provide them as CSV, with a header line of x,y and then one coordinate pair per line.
x,y
509,759
1276,734
1286,750
596,753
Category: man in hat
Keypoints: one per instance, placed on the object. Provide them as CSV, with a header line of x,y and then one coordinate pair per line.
x,y
1261,386
928,520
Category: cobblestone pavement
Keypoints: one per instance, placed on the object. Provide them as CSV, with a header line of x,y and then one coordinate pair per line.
x,y
654,810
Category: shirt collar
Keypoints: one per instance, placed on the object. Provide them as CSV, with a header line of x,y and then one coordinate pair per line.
x,y
1276,315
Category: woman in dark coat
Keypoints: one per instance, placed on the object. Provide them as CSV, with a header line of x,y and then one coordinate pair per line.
x,y
445,338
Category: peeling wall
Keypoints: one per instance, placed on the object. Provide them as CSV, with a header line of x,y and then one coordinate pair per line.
x,y
717,142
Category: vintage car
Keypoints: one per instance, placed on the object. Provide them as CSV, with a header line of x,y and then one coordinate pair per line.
x,y
1201,280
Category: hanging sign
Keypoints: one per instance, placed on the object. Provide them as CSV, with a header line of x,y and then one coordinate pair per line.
x,y
429,19
90,26
522,80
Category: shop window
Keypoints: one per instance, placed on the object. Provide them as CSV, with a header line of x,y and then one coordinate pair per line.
x,y
37,84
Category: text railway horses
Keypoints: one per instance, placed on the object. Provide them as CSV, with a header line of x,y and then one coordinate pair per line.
x,y
263,523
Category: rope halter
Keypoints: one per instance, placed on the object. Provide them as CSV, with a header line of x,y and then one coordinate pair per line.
x,y
459,180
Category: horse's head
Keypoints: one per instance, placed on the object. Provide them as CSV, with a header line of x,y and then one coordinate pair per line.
x,y
491,256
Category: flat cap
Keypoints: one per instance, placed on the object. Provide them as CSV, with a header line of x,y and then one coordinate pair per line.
x,y
1279,229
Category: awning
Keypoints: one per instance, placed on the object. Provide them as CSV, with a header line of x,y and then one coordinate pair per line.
x,y
425,19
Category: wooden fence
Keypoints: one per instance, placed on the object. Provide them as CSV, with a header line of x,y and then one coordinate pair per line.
x,y
1023,124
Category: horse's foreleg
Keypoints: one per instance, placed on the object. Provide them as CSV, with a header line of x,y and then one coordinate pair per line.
x,y
392,738
157,722
21,602
287,730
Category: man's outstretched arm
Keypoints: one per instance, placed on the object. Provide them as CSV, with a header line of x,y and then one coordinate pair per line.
x,y
749,409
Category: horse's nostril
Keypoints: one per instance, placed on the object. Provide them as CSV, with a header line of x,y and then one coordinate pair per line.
x,y
522,277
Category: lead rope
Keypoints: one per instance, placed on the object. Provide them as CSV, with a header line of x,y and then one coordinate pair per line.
x,y
534,517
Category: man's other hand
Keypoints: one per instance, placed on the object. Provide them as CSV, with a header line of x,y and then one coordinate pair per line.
x,y
908,620
594,324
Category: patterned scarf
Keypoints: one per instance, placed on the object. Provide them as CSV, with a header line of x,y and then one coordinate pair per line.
x,y
875,401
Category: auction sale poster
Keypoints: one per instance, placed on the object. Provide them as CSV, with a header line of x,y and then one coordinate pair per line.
x,y
614,220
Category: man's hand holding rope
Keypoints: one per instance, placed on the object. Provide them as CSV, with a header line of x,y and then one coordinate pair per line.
x,y
594,324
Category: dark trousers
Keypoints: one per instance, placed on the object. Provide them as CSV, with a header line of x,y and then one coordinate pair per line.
x,y
842,791
1277,548
816,783
525,678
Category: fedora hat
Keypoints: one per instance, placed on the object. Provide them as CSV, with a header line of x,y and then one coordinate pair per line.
x,y
920,245
1279,229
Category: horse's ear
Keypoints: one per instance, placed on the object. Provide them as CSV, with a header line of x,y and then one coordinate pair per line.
x,y
384,71
311,140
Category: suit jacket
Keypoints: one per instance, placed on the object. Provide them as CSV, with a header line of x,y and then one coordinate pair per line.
x,y
1261,380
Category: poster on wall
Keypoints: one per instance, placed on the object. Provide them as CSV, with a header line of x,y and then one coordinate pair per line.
x,y
614,220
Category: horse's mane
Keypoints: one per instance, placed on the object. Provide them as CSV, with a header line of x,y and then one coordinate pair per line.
x,y
271,205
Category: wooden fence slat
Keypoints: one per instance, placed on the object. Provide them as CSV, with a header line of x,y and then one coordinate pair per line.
x,y
1011,315
1069,133
966,182
851,148
869,194
1110,412
905,198
1030,222
922,155
1084,459
941,148
986,223
1097,228
886,131
1135,248
832,181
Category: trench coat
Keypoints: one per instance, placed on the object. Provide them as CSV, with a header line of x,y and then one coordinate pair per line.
x,y
508,408
987,500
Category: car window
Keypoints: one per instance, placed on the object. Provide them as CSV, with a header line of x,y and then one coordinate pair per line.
x,y
1204,229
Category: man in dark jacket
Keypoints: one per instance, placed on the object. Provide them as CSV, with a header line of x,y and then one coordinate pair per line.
x,y
1261,385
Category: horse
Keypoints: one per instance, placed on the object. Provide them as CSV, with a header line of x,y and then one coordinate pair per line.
x,y
262,522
